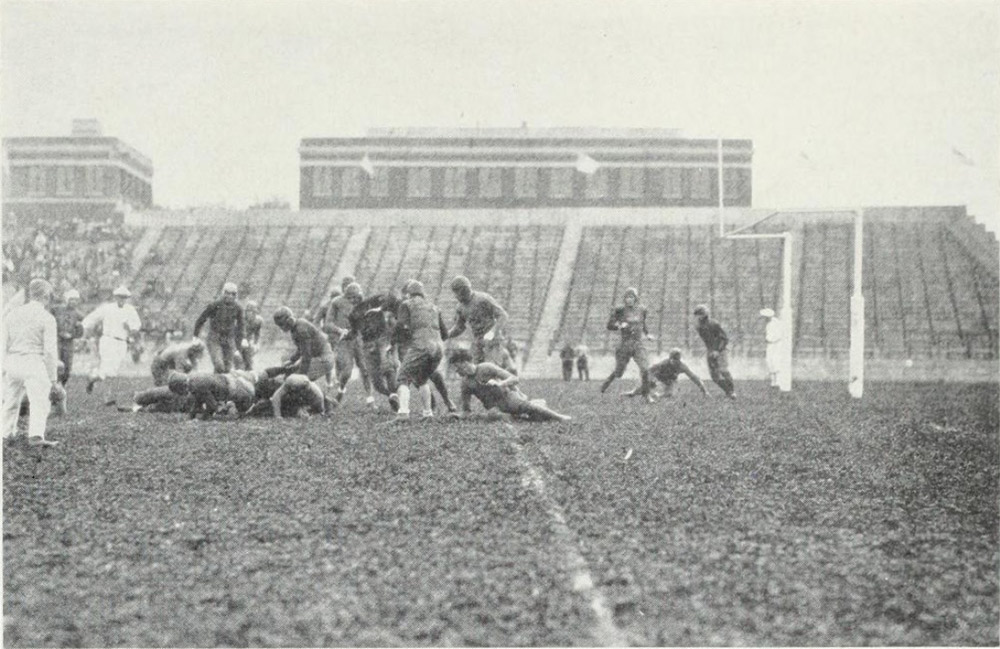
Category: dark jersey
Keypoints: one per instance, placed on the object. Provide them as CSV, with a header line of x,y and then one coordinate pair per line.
x,y
567,353
667,371
630,321
481,313
225,318
254,324
712,334
477,385
371,318
69,322
309,343
419,324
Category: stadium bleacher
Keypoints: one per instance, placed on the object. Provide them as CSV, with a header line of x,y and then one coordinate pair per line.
x,y
930,283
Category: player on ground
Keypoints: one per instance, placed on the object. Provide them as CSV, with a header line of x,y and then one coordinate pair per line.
x,y
210,392
774,333
666,372
421,331
313,355
715,340
486,318
226,328
497,388
254,322
336,324
117,321
282,396
630,320
179,357
69,327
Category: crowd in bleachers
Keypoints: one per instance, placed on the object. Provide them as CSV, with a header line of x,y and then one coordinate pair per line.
x,y
92,257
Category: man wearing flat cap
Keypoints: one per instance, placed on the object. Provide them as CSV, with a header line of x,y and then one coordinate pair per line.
x,y
227,330
118,321
774,333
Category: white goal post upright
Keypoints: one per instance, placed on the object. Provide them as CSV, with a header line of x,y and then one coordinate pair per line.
x,y
856,381
785,312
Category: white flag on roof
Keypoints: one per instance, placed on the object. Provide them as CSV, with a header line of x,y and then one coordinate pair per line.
x,y
366,164
585,164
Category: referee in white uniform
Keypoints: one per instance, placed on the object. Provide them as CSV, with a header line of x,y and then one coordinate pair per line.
x,y
29,363
118,321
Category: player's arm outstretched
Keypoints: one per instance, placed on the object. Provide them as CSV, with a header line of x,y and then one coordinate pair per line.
x,y
694,377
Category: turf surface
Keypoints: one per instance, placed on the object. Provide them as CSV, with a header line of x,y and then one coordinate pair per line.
x,y
805,519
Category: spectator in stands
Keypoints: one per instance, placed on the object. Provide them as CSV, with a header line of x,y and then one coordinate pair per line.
x,y
774,333
567,354
486,318
69,328
583,361
716,341
667,371
630,321
30,363
117,321
227,331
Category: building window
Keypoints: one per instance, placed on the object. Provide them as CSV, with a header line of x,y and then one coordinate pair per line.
x,y
36,181
633,182
322,181
526,182
65,181
490,183
380,183
94,180
597,184
561,183
418,182
350,182
454,183
735,184
672,186
701,183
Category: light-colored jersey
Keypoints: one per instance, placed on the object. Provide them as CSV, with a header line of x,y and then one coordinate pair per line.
x,y
116,322
29,330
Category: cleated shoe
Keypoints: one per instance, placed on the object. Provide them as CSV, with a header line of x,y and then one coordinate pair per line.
x,y
42,442
394,402
90,386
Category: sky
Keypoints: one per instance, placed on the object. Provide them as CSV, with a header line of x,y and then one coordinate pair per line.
x,y
848,103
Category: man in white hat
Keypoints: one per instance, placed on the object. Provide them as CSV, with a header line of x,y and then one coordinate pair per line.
x,y
225,319
774,333
118,321
69,327
29,363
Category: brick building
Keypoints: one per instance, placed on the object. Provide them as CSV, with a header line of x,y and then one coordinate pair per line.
x,y
84,175
521,168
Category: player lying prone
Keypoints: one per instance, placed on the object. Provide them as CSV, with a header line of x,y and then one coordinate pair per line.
x,y
497,388
280,392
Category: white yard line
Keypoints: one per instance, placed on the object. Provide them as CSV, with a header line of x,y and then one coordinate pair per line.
x,y
604,633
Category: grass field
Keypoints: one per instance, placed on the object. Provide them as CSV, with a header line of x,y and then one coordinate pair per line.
x,y
798,519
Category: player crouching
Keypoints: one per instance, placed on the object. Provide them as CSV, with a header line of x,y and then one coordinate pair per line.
x,y
667,372
290,395
209,393
497,388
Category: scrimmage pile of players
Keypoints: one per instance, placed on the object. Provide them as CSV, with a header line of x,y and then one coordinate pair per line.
x,y
396,339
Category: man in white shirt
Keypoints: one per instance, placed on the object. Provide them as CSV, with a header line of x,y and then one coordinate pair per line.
x,y
774,333
118,321
30,363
